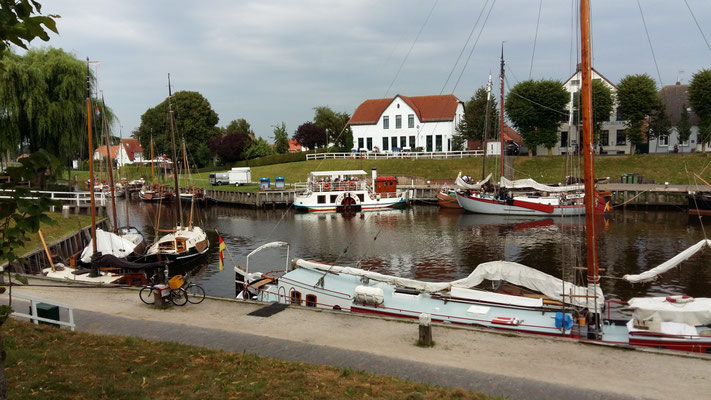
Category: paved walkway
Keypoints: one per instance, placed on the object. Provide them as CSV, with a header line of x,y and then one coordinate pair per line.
x,y
517,367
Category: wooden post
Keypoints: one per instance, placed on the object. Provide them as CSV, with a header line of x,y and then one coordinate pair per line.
x,y
425,330
46,250
159,299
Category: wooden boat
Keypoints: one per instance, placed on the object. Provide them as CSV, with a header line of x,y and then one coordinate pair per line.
x,y
447,198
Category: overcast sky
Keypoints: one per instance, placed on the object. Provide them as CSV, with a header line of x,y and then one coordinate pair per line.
x,y
272,61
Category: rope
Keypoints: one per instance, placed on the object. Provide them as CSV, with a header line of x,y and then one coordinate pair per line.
x,y
639,194
649,40
475,43
535,37
697,24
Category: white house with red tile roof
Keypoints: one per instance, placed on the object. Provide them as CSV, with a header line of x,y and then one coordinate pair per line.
x,y
406,123
295,147
129,151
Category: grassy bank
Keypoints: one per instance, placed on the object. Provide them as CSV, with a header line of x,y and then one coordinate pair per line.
x,y
61,228
44,362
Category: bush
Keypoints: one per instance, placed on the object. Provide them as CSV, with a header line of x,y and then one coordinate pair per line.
x,y
261,161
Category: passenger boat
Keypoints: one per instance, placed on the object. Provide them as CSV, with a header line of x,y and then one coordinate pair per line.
x,y
349,191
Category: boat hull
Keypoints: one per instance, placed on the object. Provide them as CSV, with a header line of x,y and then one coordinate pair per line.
x,y
549,207
699,204
348,201
447,199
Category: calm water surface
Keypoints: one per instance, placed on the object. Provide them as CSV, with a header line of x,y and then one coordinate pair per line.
x,y
427,243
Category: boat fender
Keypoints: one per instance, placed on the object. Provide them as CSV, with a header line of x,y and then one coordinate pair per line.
x,y
506,321
368,295
679,299
561,319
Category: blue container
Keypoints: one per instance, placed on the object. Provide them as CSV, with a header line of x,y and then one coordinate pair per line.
x,y
560,318
279,182
264,183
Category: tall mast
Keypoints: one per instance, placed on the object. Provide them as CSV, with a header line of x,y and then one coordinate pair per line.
x,y
501,117
108,163
587,126
185,164
175,157
486,125
153,176
91,157
125,188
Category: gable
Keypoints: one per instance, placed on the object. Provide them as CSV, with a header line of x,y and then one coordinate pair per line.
x,y
427,108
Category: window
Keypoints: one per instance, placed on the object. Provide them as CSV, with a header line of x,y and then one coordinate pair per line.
x,y
398,122
619,114
564,139
403,142
361,196
393,140
412,142
575,82
310,300
333,198
621,138
369,142
180,245
360,143
429,143
386,122
411,120
385,144
438,142
295,297
321,199
664,140
605,138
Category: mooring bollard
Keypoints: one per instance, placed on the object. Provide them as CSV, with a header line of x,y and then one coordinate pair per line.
x,y
161,292
425,330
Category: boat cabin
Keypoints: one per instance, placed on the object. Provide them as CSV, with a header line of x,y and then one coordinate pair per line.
x,y
385,184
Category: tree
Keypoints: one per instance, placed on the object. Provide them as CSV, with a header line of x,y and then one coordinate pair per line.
x,y
195,122
603,101
536,109
43,103
20,216
471,127
637,97
659,122
310,135
700,98
229,147
240,126
258,148
281,139
336,125
20,25
684,125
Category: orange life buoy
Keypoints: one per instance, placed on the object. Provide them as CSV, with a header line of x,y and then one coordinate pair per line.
x,y
679,299
326,186
372,196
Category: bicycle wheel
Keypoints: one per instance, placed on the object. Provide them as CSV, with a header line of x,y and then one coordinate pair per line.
x,y
146,295
196,294
179,297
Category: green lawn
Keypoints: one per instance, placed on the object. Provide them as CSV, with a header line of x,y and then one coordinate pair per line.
x,y
61,228
44,362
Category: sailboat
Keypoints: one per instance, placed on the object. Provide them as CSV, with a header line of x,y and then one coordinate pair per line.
x,y
182,243
191,193
523,196
154,191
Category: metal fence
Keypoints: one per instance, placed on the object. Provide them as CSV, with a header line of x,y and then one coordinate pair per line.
x,y
371,155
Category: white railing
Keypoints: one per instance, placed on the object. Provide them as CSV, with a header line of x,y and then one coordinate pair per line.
x,y
33,311
371,155
73,198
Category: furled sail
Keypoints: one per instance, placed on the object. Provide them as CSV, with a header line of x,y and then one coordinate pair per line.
x,y
531,184
108,243
650,275
476,186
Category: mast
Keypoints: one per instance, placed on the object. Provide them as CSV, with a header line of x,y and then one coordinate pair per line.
x,y
125,188
486,125
108,162
192,190
91,157
501,117
153,176
587,127
175,158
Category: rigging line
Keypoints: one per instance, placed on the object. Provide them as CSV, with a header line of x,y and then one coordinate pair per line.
x,y
686,168
649,40
697,24
411,47
535,37
483,25
464,47
538,104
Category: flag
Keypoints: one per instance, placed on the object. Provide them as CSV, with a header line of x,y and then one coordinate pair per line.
x,y
222,247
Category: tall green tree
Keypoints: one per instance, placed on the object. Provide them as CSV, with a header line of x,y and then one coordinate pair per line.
x,y
336,125
258,148
472,126
22,22
603,101
659,122
43,103
536,109
700,99
240,126
684,125
637,97
195,121
281,139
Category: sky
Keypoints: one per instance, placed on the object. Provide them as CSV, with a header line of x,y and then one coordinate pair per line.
x,y
271,61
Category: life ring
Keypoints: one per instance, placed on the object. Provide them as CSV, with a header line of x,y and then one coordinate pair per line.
x,y
679,299
326,186
372,196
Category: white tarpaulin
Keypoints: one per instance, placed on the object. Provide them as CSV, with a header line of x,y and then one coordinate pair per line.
x,y
108,243
531,184
695,312
460,182
650,275
515,273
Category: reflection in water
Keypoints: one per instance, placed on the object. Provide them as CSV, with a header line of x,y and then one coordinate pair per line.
x,y
424,243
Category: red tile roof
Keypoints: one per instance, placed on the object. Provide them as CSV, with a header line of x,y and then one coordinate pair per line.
x,y
427,108
132,146
294,146
102,151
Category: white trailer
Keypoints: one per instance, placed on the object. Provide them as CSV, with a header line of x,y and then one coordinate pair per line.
x,y
240,175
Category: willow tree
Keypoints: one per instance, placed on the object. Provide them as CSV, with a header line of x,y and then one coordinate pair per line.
x,y
43,103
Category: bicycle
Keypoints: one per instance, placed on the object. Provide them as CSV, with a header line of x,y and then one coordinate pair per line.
x,y
147,293
195,293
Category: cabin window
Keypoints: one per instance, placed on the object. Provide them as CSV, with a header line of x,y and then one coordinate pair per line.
x,y
385,144
180,245
295,297
166,246
361,197
310,300
333,198
411,121
386,122
398,122
321,199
